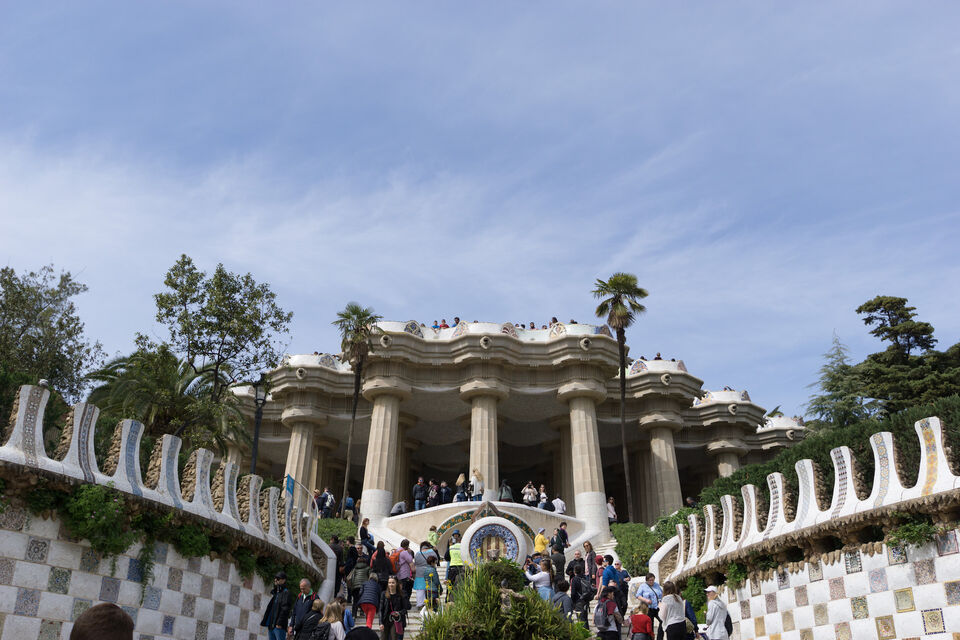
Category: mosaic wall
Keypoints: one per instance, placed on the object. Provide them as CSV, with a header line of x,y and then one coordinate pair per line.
x,y
47,580
887,594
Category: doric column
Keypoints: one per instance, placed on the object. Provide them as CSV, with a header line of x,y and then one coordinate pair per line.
x,y
650,501
727,453
379,474
483,396
565,462
302,424
322,447
589,497
663,460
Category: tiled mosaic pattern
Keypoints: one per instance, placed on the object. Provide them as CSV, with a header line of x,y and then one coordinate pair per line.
x,y
947,543
52,580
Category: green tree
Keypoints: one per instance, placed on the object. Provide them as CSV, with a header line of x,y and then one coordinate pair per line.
x,y
840,402
619,303
357,326
41,334
164,393
895,323
226,326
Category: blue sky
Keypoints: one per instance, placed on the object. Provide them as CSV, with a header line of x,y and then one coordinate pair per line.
x,y
763,169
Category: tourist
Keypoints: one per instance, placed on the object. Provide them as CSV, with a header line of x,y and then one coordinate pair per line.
x,y
104,621
305,627
302,604
650,593
456,321
347,616
436,325
348,510
572,321
433,493
419,493
476,485
433,538
606,618
623,582
559,506
329,503
393,611
716,616
356,579
598,580
553,321
573,564
542,504
672,614
561,600
365,538
381,565
641,627
564,535
431,578
278,609
421,564
462,489
530,494
611,510
453,558
506,493
338,572
557,539
318,501
657,357
589,558
544,327
369,598
581,592
406,568
446,493
533,325
541,580
399,508
333,615
610,576
443,324
691,615
690,502
558,560
540,542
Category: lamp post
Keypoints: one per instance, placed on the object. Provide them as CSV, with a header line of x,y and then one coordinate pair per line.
x,y
260,399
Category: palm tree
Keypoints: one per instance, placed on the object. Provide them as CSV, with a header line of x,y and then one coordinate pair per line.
x,y
619,304
358,326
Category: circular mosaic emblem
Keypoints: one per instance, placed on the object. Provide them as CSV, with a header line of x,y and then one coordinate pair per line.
x,y
493,538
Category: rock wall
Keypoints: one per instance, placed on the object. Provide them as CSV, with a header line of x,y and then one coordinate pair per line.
x,y
47,580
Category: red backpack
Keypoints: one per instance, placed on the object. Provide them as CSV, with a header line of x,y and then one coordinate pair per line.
x,y
395,560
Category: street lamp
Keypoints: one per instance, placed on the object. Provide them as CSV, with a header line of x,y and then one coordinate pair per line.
x,y
260,399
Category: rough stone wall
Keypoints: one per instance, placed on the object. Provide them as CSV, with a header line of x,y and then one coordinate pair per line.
x,y
47,580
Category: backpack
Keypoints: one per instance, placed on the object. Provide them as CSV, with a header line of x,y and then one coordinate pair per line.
x,y
728,625
321,632
331,501
601,619
395,560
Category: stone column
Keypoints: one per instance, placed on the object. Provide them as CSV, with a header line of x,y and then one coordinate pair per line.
x,y
322,447
379,475
727,452
650,504
663,459
302,424
589,496
565,462
483,396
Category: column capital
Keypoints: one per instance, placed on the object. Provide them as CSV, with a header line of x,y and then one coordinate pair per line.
x,y
385,386
662,420
296,415
735,446
582,389
326,443
484,387
411,444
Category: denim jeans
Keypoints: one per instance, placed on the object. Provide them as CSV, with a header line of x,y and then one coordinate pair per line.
x,y
278,634
478,497
419,504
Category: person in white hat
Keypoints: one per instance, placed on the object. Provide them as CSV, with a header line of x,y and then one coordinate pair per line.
x,y
716,616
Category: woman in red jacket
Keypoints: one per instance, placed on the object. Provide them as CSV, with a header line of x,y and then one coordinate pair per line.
x,y
641,626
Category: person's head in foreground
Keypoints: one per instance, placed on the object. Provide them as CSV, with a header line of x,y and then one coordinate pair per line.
x,y
105,621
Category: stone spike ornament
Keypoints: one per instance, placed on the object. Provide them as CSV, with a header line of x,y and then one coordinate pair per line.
x,y
237,507
854,501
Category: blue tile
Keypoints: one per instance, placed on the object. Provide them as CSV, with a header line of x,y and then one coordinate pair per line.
x,y
151,598
160,553
132,612
28,601
167,625
109,589
134,571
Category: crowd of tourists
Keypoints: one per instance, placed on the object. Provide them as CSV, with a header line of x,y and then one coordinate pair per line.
x,y
431,493
519,325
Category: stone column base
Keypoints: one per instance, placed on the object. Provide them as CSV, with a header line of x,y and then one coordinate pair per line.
x,y
376,504
592,509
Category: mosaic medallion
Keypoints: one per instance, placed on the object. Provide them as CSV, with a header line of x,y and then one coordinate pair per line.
x,y
896,555
947,543
933,621
878,580
886,630
858,606
952,592
903,598
925,571
842,631
493,541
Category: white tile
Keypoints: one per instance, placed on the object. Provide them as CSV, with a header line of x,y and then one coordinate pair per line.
x,y
204,610
37,526
64,554
149,621
30,575
184,627
129,593
171,602
191,583
13,544
85,585
8,598
20,628
54,606
221,591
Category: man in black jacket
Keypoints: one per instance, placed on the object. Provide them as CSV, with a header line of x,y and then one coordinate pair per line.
x,y
419,492
278,609
338,573
301,606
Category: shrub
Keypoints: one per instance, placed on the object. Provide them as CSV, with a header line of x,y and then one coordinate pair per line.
x,y
191,541
503,569
635,544
328,527
912,530
736,574
99,514
694,594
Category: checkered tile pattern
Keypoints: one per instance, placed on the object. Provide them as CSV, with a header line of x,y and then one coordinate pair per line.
x,y
833,601
47,580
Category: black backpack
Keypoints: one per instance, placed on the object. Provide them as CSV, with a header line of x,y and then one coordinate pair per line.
x,y
322,632
728,625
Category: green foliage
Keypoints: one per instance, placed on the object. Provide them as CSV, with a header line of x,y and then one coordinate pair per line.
x,y
42,498
763,562
619,297
328,527
694,594
503,569
41,335
895,323
191,541
99,515
226,325
476,614
840,402
666,527
736,574
246,562
635,544
912,529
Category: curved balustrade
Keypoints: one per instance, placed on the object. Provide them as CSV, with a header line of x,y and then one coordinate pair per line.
x,y
275,521
703,543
